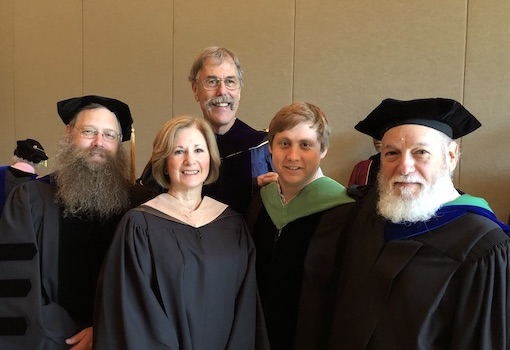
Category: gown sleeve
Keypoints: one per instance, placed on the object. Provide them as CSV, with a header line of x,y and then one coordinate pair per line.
x,y
128,314
249,326
29,316
481,319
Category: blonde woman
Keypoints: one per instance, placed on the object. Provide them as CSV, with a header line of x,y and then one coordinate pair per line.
x,y
180,271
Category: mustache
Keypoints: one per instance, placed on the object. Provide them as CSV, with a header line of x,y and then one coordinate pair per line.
x,y
408,178
96,151
220,99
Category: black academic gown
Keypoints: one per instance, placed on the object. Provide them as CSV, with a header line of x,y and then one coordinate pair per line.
x,y
48,269
244,156
297,269
10,178
168,285
445,289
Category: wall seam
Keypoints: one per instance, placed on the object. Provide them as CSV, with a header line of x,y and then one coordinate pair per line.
x,y
464,68
13,48
293,69
172,71
82,47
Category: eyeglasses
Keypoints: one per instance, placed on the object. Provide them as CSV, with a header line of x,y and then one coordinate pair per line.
x,y
91,133
212,83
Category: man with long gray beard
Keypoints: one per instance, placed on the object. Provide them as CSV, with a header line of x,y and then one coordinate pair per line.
x,y
55,230
216,80
425,265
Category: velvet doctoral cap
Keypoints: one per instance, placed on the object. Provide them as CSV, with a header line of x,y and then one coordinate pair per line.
x,y
30,150
445,115
68,109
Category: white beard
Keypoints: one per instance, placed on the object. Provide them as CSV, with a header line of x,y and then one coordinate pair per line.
x,y
408,206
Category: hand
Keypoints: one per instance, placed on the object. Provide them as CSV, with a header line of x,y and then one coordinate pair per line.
x,y
81,340
266,178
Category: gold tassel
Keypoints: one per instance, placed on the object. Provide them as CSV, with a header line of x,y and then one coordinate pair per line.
x,y
133,164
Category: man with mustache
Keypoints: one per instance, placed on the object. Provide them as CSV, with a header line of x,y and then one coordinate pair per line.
x,y
216,80
426,266
55,230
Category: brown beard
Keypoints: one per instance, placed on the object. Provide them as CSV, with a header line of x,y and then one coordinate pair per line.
x,y
89,189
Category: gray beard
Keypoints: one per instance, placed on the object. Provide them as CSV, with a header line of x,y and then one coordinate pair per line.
x,y
405,207
91,190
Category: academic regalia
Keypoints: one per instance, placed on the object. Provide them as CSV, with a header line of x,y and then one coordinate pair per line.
x,y
28,152
178,281
442,284
244,156
298,247
36,241
9,178
365,172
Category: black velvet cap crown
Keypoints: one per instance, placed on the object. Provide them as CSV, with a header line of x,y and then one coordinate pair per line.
x,y
68,109
30,150
445,115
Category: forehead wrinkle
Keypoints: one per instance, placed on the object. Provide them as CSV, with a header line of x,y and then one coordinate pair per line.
x,y
406,142
184,146
224,66
222,77
98,116
96,128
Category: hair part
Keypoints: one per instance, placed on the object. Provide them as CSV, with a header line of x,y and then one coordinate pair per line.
x,y
164,144
297,113
219,55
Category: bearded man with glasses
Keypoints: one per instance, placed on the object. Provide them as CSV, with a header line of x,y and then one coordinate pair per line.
x,y
216,80
55,230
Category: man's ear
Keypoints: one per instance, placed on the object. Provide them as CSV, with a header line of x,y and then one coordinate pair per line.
x,y
323,153
194,87
452,156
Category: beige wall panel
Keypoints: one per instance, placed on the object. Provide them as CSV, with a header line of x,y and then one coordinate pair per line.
x,y
7,138
352,54
260,32
486,164
345,56
47,67
128,55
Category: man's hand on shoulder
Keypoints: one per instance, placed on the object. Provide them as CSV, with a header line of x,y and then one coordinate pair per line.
x,y
266,178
